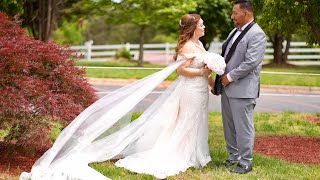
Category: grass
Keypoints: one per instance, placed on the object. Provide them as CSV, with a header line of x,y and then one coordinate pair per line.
x,y
298,69
289,123
290,80
116,64
266,124
268,79
123,74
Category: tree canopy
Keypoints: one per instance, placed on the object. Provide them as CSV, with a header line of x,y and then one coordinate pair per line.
x,y
280,19
216,16
146,14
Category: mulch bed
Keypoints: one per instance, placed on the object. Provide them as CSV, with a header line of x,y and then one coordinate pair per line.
x,y
296,149
313,119
305,150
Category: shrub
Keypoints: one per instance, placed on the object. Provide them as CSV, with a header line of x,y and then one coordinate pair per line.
x,y
39,85
123,53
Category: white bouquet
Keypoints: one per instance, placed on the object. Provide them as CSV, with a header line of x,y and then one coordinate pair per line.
x,y
215,62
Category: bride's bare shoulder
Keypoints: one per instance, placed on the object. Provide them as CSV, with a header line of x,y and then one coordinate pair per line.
x,y
188,48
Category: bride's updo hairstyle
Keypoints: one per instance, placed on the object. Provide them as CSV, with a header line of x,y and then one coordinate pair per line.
x,y
187,26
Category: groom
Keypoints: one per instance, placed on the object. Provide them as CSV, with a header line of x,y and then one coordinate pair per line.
x,y
240,85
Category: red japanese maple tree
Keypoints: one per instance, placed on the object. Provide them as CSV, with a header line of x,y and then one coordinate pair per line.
x,y
39,85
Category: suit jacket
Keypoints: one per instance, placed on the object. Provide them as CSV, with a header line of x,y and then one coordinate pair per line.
x,y
245,64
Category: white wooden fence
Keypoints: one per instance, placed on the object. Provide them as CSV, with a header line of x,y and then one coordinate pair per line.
x,y
298,50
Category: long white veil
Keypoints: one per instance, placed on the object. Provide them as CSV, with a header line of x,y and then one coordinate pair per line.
x,y
104,131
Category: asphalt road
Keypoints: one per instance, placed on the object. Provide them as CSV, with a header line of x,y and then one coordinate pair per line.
x,y
268,101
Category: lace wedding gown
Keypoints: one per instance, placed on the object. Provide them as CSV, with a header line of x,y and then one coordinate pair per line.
x,y
169,137
183,142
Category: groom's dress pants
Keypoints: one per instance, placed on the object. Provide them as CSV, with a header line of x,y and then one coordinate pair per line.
x,y
237,117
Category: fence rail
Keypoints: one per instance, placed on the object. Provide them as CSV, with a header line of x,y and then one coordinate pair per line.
x,y
164,52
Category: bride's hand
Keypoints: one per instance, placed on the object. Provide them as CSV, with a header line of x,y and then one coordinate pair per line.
x,y
206,72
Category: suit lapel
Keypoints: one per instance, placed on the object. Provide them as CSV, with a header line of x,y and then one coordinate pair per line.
x,y
228,48
226,43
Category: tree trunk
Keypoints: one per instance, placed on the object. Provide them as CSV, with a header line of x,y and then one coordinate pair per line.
x,y
279,56
49,22
40,16
286,51
277,49
141,42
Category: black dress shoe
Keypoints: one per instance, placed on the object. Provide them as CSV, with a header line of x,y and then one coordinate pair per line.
x,y
229,163
241,169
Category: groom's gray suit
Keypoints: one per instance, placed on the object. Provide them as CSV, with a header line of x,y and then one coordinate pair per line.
x,y
238,97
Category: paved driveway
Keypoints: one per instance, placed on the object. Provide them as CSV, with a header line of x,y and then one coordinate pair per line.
x,y
268,101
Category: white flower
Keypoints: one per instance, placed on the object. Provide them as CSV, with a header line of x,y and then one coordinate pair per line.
x,y
215,62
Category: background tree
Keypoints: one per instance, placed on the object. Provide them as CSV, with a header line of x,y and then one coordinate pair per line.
x,y
11,7
216,16
74,21
40,16
69,33
310,9
282,18
105,33
39,86
146,14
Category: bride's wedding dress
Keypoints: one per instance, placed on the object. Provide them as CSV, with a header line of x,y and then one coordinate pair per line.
x,y
169,137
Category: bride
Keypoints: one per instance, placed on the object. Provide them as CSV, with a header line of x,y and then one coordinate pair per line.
x,y
168,137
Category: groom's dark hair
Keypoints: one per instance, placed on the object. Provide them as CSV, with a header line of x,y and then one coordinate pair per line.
x,y
245,4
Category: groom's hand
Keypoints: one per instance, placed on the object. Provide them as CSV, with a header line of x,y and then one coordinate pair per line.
x,y
224,80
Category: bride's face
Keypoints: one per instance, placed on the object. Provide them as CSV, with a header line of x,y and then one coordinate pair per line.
x,y
200,28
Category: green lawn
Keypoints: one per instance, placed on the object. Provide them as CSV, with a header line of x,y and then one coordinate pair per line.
x,y
264,167
115,64
268,79
266,124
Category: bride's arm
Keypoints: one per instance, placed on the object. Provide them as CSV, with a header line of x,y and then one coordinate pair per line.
x,y
185,70
211,82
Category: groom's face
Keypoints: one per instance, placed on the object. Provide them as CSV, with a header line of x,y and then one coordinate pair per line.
x,y
238,16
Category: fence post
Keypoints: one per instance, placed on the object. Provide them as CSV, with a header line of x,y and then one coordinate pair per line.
x,y
88,45
284,45
167,53
128,47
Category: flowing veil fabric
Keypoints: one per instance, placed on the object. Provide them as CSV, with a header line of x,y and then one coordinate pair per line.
x,y
103,131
